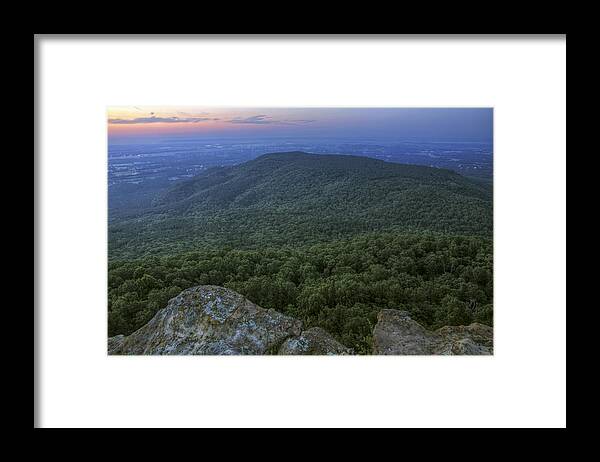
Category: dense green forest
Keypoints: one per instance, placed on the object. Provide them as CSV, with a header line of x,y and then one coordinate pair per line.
x,y
339,286
328,239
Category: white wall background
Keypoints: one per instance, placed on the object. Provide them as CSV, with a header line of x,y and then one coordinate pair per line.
x,y
524,384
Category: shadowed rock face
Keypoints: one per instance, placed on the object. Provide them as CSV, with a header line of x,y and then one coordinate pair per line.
x,y
208,320
314,341
397,334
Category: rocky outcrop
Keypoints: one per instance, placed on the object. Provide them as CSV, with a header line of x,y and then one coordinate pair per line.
x,y
314,341
212,320
396,333
474,339
209,320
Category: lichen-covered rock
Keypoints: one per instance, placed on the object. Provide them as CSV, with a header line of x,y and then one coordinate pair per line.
x,y
208,320
314,341
474,339
396,333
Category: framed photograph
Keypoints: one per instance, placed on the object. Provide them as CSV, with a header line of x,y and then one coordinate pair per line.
x,y
315,221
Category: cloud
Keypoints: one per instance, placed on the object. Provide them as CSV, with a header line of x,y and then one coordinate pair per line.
x,y
257,119
193,115
186,118
167,120
298,121
262,119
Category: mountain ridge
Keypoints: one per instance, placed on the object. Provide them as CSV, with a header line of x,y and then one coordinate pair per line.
x,y
339,165
300,197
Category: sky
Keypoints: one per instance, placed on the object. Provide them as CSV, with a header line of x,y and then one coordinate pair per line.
x,y
384,124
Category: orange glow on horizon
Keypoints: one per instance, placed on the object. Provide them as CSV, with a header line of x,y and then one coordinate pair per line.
x,y
146,120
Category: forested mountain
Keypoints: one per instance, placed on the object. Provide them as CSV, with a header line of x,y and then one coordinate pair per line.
x,y
328,239
303,198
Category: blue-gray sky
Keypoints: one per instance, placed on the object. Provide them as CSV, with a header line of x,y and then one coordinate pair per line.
x,y
424,124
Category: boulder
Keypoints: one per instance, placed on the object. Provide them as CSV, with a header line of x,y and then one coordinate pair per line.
x,y
314,341
474,339
208,320
396,333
